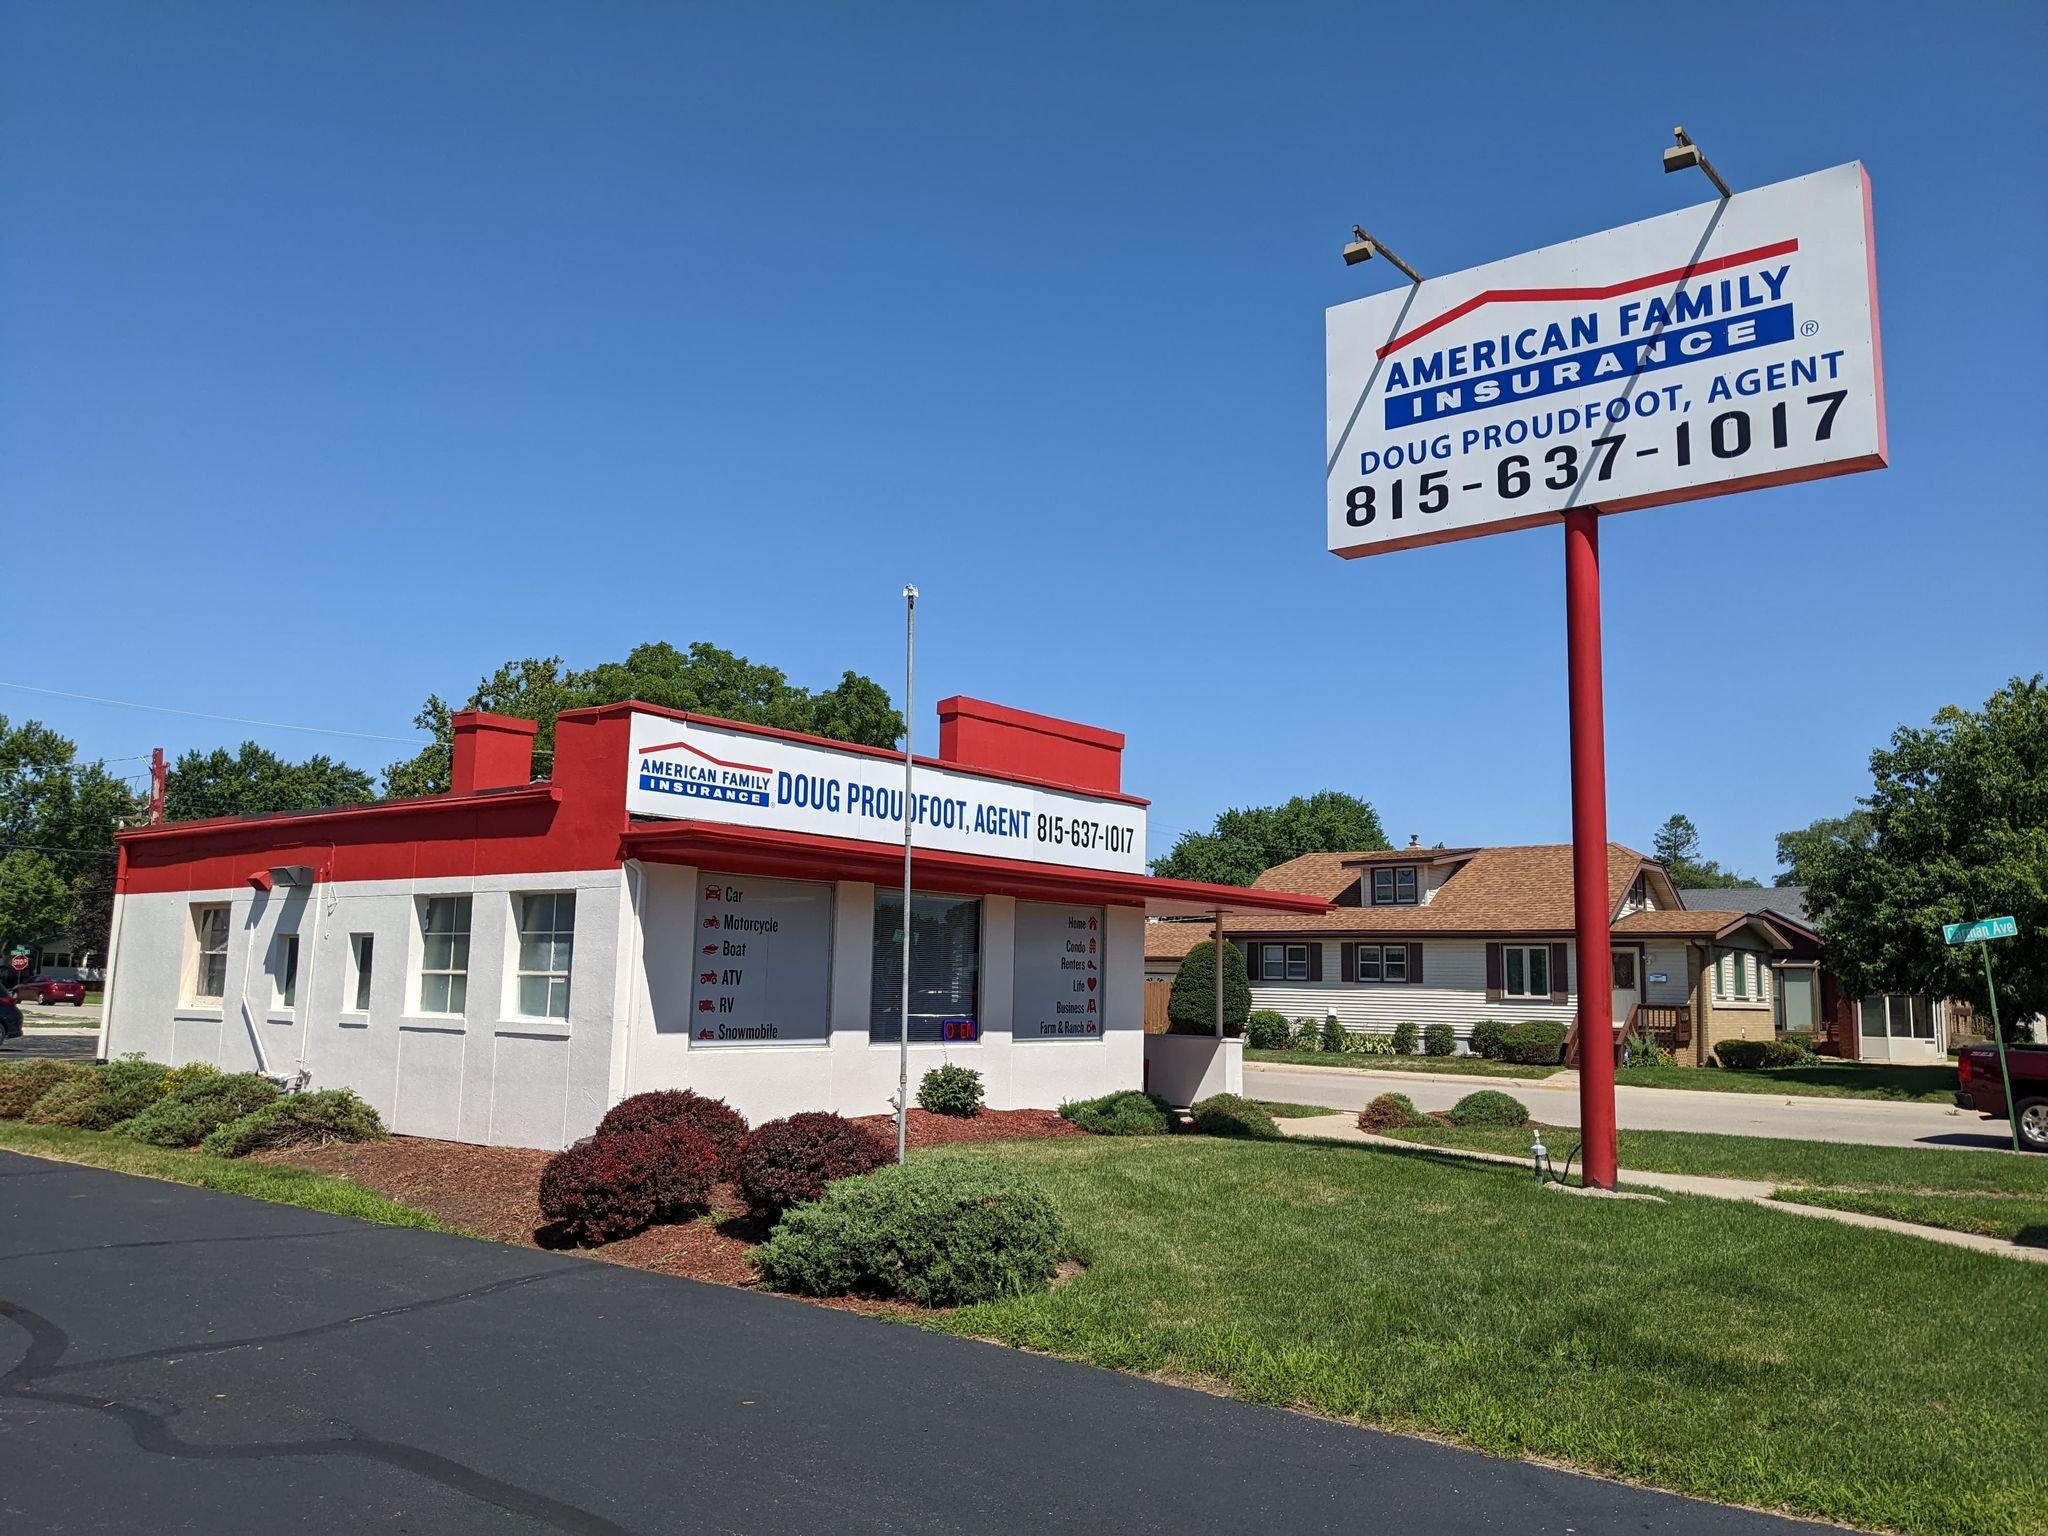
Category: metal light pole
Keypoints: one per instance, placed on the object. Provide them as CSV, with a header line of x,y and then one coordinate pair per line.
x,y
909,768
1591,909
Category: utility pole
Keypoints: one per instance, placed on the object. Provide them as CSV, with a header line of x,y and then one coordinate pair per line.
x,y
159,781
909,821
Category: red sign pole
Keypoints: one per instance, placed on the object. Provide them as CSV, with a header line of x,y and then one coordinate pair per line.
x,y
1590,902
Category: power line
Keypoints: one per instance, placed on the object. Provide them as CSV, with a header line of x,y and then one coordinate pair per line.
x,y
200,714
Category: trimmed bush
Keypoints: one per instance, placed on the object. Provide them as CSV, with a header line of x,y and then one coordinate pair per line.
x,y
787,1162
1489,1106
1225,1114
1333,1034
1488,1036
1749,1055
23,1082
941,1232
1800,1039
1129,1113
297,1120
667,1109
68,1102
178,1079
189,1116
1267,1030
127,1087
1534,1042
950,1090
1440,1040
603,1189
1191,1006
1404,1038
683,1163
1392,1112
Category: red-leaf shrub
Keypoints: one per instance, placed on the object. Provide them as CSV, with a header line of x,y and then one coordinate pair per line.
x,y
684,1165
787,1162
603,1189
669,1107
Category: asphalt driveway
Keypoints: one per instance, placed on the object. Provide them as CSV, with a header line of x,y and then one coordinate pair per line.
x,y
176,1359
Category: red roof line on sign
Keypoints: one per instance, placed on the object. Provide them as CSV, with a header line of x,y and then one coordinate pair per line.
x,y
671,746
1629,285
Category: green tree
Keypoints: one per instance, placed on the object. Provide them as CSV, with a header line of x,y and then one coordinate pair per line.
x,y
1191,1005
58,817
1958,815
703,680
1245,844
1797,850
1677,847
253,779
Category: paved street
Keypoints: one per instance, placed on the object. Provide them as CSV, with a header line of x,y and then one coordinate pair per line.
x,y
1871,1121
65,1044
175,1359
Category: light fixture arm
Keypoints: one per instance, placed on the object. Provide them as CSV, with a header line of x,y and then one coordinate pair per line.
x,y
1364,247
1685,154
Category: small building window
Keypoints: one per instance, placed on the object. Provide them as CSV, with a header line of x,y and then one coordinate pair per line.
x,y
1394,887
945,968
1283,962
444,954
547,935
210,958
1526,970
361,950
284,969
1383,962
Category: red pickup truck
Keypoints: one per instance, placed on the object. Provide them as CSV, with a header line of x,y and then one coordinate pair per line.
x,y
1980,1087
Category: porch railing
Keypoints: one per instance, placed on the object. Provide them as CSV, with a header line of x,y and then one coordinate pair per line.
x,y
1668,1025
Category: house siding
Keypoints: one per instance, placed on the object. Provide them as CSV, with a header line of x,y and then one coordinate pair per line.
x,y
1452,991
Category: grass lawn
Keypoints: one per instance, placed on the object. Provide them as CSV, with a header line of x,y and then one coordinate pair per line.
x,y
1280,1109
1932,1169
1830,1080
1677,1344
1465,1066
2016,1218
234,1176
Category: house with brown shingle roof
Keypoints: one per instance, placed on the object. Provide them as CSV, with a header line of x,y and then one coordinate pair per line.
x,y
1459,935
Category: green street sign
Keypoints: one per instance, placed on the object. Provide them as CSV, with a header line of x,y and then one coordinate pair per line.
x,y
1982,929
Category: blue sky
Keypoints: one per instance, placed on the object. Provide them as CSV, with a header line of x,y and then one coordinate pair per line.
x,y
348,350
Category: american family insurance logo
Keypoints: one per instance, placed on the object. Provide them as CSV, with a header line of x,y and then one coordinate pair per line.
x,y
678,768
1708,315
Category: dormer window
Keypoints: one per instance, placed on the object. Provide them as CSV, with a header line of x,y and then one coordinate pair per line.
x,y
1394,887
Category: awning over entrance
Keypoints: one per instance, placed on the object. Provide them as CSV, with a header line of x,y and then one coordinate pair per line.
x,y
804,856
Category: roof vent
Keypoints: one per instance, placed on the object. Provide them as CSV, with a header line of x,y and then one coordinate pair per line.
x,y
1414,839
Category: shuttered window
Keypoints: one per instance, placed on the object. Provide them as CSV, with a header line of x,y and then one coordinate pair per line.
x,y
1527,970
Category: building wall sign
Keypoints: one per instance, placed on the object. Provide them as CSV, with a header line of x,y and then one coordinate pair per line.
x,y
1719,348
1059,973
763,964
692,771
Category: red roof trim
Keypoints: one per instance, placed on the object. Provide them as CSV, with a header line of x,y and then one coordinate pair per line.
x,y
804,738
1050,725
166,831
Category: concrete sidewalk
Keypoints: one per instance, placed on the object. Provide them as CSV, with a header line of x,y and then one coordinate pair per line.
x,y
1344,1127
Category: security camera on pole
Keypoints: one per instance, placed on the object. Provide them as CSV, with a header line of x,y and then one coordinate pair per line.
x,y
1724,347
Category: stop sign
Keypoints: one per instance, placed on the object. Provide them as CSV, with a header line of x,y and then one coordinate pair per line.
x,y
19,962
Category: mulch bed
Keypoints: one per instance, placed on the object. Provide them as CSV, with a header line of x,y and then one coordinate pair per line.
x,y
493,1191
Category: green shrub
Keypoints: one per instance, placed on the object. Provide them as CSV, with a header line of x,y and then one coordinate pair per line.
x,y
1641,1051
1267,1030
1360,1043
1308,1035
1534,1042
1191,1006
940,1232
1404,1038
1744,1055
1488,1035
1440,1040
1392,1112
1226,1114
1488,1106
189,1116
1333,1034
951,1090
23,1082
1128,1113
68,1102
178,1079
1801,1039
298,1119
127,1087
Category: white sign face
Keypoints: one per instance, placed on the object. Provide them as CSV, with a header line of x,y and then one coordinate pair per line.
x,y
699,772
1059,973
763,962
1716,349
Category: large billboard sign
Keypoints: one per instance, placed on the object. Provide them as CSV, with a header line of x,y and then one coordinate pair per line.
x,y
689,770
1715,349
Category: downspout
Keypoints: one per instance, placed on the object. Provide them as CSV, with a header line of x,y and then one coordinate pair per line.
x,y
304,1010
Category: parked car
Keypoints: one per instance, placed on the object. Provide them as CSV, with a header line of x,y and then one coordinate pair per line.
x,y
1980,1087
47,990
10,1016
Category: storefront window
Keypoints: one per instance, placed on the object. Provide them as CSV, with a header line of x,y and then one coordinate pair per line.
x,y
945,966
